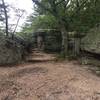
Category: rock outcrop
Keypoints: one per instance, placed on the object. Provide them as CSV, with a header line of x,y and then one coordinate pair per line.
x,y
91,42
10,51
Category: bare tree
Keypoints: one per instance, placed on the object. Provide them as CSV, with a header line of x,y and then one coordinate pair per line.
x,y
19,17
6,17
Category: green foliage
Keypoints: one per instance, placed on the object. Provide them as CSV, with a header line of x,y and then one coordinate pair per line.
x,y
37,22
65,15
76,15
44,22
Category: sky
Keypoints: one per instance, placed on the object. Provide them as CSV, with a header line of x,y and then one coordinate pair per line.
x,y
27,5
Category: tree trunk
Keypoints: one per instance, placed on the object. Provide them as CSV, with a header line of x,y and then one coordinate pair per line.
x,y
77,46
64,33
6,17
18,22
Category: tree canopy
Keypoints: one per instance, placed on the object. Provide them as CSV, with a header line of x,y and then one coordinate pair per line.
x,y
65,15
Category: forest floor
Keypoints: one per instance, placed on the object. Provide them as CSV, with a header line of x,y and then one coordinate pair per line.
x,y
43,78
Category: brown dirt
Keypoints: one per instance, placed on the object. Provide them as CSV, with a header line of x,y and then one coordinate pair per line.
x,y
41,78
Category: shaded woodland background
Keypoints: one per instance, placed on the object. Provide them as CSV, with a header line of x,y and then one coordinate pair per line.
x,y
67,27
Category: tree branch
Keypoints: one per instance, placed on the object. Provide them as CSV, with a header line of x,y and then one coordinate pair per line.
x,y
42,6
82,5
52,10
59,2
6,17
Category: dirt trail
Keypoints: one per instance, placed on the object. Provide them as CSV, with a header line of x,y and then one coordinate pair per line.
x,y
41,78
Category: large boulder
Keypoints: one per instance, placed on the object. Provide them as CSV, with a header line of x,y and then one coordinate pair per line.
x,y
10,51
91,42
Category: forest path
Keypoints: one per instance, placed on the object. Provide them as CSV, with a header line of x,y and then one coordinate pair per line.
x,y
42,78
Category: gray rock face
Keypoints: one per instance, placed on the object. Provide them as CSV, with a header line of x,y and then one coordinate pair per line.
x,y
91,42
10,51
